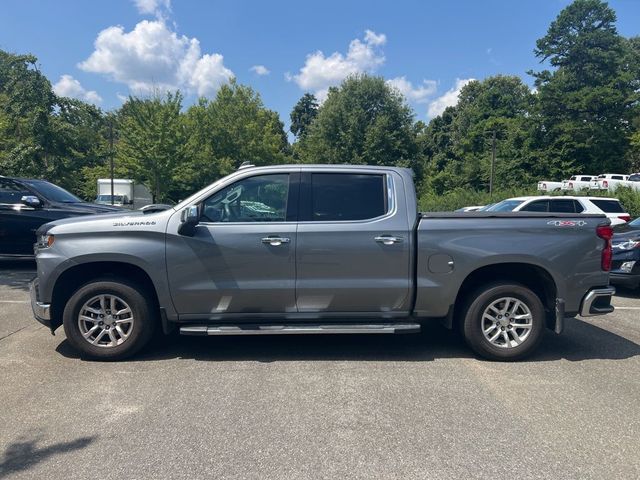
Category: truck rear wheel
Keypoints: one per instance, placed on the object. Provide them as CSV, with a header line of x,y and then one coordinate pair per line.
x,y
504,321
108,320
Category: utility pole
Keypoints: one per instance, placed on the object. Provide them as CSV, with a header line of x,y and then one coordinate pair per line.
x,y
493,163
111,154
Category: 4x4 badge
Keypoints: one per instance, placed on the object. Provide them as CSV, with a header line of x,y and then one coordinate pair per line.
x,y
567,223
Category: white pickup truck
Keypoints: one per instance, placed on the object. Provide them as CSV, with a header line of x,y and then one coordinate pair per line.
x,y
609,181
549,186
578,182
634,181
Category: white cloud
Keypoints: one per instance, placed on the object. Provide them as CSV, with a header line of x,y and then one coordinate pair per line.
x,y
153,57
260,70
418,94
449,99
159,8
373,38
321,72
68,86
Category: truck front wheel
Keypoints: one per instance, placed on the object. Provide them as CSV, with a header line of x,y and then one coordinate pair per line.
x,y
108,319
503,321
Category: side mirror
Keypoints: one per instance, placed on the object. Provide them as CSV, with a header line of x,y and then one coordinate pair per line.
x,y
189,219
31,201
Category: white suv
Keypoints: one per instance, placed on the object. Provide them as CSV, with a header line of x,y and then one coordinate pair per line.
x,y
611,207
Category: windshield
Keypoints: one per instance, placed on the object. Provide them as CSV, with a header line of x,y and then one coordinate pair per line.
x,y
504,206
107,198
52,192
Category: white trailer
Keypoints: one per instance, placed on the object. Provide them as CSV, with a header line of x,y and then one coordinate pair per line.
x,y
126,193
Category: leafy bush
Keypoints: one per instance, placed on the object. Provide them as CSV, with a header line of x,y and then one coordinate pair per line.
x,y
458,198
630,199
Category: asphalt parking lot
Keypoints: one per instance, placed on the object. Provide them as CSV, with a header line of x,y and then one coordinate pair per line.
x,y
412,406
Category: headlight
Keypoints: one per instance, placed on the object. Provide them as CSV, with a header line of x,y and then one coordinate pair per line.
x,y
627,267
628,245
45,241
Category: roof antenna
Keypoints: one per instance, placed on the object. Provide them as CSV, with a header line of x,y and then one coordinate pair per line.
x,y
245,164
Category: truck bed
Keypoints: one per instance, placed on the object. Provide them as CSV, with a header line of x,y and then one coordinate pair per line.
x,y
454,247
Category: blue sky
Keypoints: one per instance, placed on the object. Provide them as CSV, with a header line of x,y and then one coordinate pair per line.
x,y
103,50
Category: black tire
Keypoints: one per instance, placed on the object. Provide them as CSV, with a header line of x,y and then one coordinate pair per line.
x,y
472,321
142,329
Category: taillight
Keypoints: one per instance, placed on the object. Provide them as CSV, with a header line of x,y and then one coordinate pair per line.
x,y
626,218
605,232
605,184
544,186
571,185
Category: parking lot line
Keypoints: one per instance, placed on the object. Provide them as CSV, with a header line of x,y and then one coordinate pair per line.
x,y
14,301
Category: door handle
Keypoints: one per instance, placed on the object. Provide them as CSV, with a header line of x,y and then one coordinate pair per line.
x,y
275,241
388,239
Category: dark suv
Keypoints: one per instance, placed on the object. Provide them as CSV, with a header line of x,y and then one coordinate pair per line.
x,y
25,204
626,255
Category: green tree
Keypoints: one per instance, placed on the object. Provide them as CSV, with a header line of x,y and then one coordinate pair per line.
x,y
633,65
151,145
41,134
458,144
26,105
363,121
80,137
585,103
303,114
232,128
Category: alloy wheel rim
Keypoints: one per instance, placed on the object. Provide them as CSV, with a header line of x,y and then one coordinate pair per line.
x,y
106,321
507,322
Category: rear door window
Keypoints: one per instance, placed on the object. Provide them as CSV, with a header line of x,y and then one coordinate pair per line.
x,y
347,196
608,206
537,206
562,206
617,177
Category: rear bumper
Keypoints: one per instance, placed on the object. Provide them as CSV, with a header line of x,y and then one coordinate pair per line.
x,y
630,280
41,311
597,301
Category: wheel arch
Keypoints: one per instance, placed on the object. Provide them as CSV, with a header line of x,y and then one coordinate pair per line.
x,y
77,275
536,278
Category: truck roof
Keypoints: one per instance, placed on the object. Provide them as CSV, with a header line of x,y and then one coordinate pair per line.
x,y
336,166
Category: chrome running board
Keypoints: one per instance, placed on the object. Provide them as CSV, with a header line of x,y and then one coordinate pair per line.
x,y
299,329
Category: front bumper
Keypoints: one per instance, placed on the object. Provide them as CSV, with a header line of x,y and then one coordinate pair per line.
x,y
41,311
597,301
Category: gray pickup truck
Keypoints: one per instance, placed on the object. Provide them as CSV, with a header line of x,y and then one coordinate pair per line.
x,y
304,249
